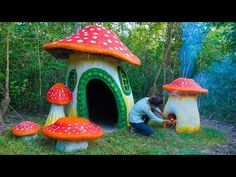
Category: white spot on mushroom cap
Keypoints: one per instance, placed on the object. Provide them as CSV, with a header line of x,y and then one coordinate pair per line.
x,y
108,40
106,35
93,42
80,41
104,43
94,37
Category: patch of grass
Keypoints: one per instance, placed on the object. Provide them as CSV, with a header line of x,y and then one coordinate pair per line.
x,y
164,142
191,152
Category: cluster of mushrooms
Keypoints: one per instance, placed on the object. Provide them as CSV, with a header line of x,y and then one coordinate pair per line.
x,y
71,133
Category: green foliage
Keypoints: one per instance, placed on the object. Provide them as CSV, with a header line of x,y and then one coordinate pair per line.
x,y
147,41
28,60
219,41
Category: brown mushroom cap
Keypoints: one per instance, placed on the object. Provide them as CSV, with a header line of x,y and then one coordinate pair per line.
x,y
73,129
92,39
184,85
26,128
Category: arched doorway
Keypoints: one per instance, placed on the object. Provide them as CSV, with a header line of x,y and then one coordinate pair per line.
x,y
101,103
99,84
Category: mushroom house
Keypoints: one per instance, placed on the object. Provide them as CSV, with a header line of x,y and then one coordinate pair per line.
x,y
182,104
100,86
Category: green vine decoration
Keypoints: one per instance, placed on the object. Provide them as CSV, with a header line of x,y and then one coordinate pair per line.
x,y
71,80
124,82
82,107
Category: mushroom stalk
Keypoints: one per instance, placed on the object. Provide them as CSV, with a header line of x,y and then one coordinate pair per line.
x,y
56,112
184,106
70,146
30,137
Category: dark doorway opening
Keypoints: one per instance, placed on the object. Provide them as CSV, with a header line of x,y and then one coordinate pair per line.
x,y
101,105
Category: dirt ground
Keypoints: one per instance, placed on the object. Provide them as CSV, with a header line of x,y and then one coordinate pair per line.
x,y
230,131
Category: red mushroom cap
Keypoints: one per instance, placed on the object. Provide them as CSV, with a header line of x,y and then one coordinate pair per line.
x,y
93,39
59,94
184,85
73,128
26,128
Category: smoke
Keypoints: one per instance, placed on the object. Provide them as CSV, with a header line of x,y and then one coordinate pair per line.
x,y
193,34
220,80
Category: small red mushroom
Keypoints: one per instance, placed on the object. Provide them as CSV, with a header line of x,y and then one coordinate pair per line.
x,y
93,39
27,130
58,95
72,133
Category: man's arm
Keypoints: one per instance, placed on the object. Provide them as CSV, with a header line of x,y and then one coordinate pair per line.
x,y
158,112
152,116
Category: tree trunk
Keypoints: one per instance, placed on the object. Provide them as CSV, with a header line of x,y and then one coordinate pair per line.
x,y
165,54
168,66
40,79
164,79
78,27
153,89
6,99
